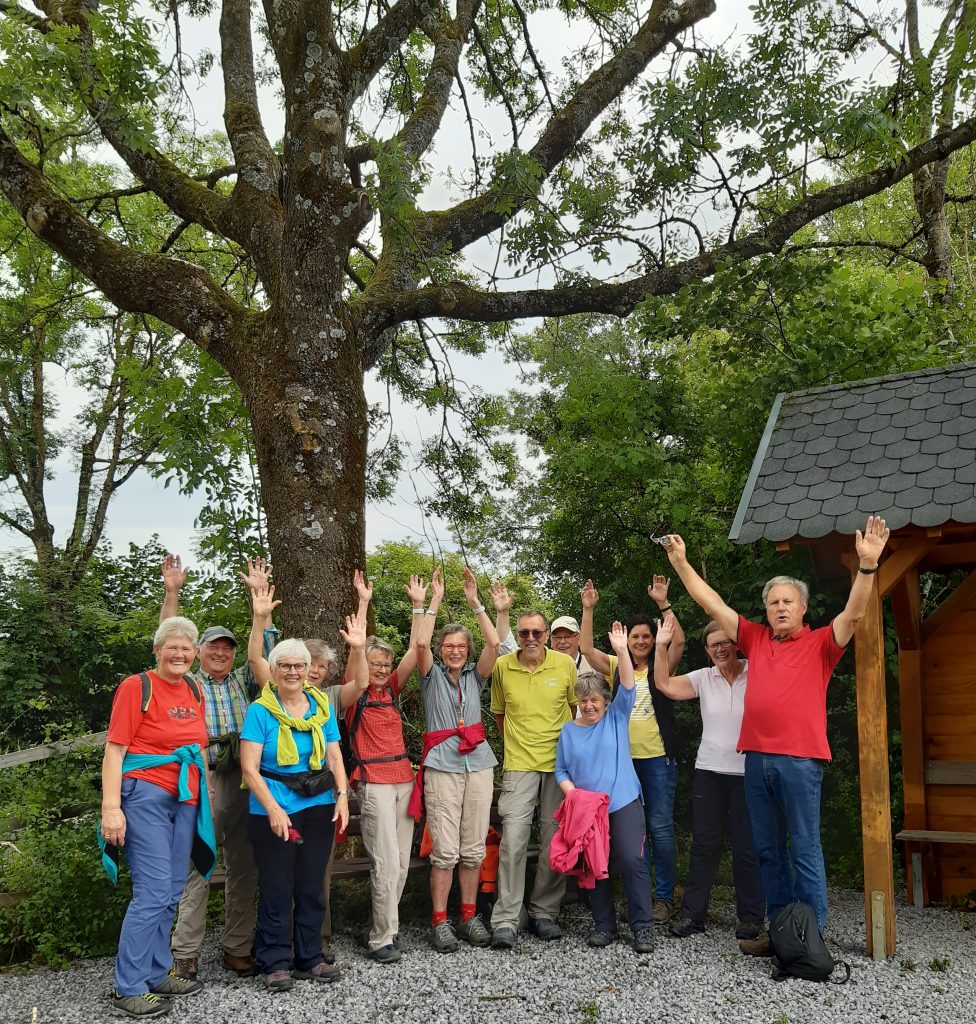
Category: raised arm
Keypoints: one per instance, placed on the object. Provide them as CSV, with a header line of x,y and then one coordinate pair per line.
x,y
357,669
174,576
262,606
657,591
502,600
701,593
425,627
416,590
589,595
364,589
675,687
489,653
625,667
869,546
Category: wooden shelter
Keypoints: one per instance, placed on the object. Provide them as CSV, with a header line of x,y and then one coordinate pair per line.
x,y
903,447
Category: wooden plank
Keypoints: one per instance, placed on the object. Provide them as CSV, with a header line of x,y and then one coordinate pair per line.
x,y
953,555
906,605
30,754
961,599
921,835
903,560
956,801
912,746
950,773
948,748
950,725
940,703
872,736
958,889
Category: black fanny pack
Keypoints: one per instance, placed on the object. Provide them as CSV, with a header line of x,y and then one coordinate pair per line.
x,y
304,783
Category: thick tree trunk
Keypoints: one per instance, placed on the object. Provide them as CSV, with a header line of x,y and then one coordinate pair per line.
x,y
928,188
309,418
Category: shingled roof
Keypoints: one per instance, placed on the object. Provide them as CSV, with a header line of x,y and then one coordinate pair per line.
x,y
902,446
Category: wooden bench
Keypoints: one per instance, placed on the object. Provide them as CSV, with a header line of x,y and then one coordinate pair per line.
x,y
937,773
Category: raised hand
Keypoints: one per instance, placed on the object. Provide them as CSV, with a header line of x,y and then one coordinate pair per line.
x,y
677,553
355,632
258,573
174,575
589,595
500,597
263,602
871,543
471,589
416,590
658,590
437,584
665,630
618,639
364,589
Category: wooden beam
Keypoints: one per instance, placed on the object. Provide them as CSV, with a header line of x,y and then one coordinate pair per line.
x,y
872,738
42,753
951,555
901,561
950,773
960,599
906,604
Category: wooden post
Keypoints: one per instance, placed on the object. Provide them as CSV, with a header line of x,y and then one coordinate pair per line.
x,y
872,737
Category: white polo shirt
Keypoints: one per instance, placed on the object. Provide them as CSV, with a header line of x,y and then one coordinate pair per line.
x,y
721,710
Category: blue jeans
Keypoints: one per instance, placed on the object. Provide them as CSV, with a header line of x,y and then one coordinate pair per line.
x,y
159,833
783,797
658,778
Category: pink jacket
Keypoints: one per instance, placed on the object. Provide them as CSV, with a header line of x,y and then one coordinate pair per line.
x,y
581,845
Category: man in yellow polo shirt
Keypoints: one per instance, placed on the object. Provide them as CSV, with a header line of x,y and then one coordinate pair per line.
x,y
532,695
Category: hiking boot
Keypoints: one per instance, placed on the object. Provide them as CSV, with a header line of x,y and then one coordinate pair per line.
x,y
545,929
503,937
146,1005
748,931
681,927
758,946
174,985
661,911
474,932
599,940
643,941
278,981
326,973
443,938
386,954
242,966
187,967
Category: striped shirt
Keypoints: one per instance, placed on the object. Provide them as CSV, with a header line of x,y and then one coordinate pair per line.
x,y
227,702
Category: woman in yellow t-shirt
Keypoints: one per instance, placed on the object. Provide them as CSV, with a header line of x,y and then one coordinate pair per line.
x,y
652,737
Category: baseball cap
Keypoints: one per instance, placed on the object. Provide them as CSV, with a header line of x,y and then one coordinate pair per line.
x,y
565,622
217,633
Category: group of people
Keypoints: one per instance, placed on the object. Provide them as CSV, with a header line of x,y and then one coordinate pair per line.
x,y
588,737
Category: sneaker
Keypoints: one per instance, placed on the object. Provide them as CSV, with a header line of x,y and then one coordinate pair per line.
x,y
474,932
174,985
643,941
187,967
242,966
326,973
503,937
599,940
681,927
661,911
545,929
386,954
146,1005
748,931
398,942
443,938
278,981
758,946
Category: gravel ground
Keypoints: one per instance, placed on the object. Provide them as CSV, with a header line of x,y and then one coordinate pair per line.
x,y
699,980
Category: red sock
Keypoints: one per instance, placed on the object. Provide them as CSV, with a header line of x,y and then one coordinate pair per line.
x,y
438,917
467,911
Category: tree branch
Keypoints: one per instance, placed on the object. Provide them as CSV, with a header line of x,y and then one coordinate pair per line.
x,y
458,300
364,61
14,10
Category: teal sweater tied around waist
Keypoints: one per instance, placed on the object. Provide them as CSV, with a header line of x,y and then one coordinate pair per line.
x,y
204,853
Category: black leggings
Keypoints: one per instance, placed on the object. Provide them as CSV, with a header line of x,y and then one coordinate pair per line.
x,y
627,838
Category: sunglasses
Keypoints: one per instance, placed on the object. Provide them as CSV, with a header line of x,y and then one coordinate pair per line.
x,y
535,634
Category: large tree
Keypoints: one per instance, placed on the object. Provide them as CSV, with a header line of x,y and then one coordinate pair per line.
x,y
642,147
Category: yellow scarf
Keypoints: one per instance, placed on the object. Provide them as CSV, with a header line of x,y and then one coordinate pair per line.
x,y
287,751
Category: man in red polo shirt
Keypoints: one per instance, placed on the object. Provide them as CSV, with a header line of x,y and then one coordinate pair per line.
x,y
784,725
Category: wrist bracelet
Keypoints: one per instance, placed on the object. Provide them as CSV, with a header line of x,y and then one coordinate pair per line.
x,y
479,609
867,572
418,611
666,608
429,612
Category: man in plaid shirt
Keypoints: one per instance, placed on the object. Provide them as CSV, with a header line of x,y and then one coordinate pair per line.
x,y
228,692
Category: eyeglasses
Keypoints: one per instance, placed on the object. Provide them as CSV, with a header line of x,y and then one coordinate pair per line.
x,y
535,634
721,645
292,666
380,666
454,647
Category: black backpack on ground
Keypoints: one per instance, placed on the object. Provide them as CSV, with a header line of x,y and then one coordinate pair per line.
x,y
799,950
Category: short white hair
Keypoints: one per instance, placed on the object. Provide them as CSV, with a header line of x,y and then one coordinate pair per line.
x,y
787,581
293,647
176,625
